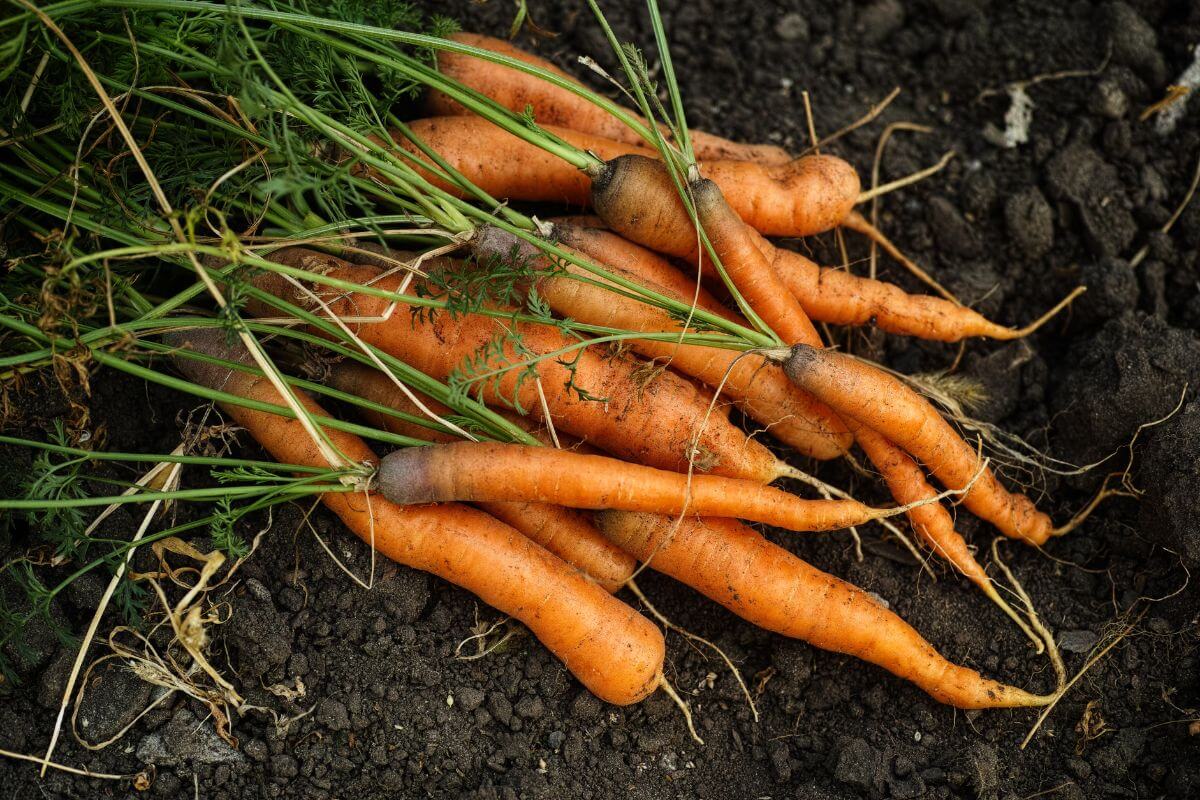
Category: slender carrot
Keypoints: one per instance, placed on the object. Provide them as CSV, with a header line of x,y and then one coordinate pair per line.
x,y
646,419
768,586
827,294
801,198
931,521
615,652
589,236
553,105
564,532
734,243
878,400
489,471
756,386
838,297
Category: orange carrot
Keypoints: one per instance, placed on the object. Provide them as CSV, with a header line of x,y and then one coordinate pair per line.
x,y
490,471
615,652
768,586
562,531
589,236
552,105
734,243
827,294
756,386
838,297
646,419
804,197
878,400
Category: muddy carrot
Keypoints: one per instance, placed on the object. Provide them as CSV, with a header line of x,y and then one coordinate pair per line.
x,y
564,532
489,471
553,105
647,419
766,585
615,652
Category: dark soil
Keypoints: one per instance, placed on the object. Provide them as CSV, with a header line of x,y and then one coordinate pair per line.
x,y
395,714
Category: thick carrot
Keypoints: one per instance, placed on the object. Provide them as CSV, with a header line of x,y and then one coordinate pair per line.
x,y
756,386
615,652
808,196
565,532
768,586
878,400
489,471
553,105
650,420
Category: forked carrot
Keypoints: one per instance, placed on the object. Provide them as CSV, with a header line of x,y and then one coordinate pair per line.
x,y
564,532
663,420
615,652
768,586
553,105
801,198
490,471
882,402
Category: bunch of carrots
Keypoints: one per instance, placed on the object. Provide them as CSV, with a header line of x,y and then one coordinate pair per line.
x,y
607,352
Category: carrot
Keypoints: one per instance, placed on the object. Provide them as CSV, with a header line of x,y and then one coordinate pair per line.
x,y
773,589
756,386
826,294
931,521
838,297
553,105
489,471
564,532
734,243
808,196
589,236
666,405
878,400
615,652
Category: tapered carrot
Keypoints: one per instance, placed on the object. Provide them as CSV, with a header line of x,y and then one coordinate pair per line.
x,y
931,521
553,105
838,297
768,586
808,196
489,471
663,420
749,270
757,387
589,236
562,531
615,652
827,294
884,403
